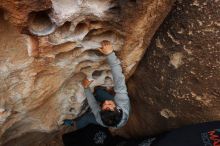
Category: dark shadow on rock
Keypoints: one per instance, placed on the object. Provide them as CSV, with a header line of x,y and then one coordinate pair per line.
x,y
178,80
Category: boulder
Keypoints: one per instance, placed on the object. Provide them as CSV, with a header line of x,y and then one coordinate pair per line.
x,y
178,80
49,46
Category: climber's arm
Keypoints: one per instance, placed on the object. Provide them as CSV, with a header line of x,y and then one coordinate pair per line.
x,y
121,97
92,101
118,76
114,62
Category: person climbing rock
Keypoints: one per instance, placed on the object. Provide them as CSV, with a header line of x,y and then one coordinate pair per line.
x,y
107,110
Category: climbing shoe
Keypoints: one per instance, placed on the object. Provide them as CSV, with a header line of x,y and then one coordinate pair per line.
x,y
68,122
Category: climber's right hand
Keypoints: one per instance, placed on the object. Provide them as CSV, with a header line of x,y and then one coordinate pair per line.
x,y
106,47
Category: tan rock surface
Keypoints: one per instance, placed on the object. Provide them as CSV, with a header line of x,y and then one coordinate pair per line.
x,y
178,80
48,47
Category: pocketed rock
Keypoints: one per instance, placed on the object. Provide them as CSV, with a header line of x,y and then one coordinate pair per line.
x,y
49,46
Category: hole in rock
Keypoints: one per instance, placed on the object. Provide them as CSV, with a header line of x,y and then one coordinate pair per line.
x,y
94,32
61,33
39,23
96,74
108,81
81,28
103,34
1,13
115,8
85,65
64,28
134,1
94,52
4,14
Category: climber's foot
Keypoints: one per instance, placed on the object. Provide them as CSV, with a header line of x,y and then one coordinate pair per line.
x,y
68,122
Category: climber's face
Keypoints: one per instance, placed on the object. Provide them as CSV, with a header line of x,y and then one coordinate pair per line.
x,y
108,105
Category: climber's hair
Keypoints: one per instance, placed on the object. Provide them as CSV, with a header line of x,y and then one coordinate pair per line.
x,y
111,118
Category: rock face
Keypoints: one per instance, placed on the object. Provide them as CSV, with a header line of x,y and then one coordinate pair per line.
x,y
47,47
178,79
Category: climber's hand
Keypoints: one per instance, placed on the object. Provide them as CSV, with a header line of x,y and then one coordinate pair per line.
x,y
106,47
86,82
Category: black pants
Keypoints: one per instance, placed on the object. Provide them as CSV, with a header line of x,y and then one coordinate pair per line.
x,y
205,134
91,135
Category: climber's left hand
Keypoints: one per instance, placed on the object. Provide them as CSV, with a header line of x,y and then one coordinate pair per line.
x,y
86,82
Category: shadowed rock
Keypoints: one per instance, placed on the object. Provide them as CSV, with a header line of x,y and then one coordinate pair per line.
x,y
178,80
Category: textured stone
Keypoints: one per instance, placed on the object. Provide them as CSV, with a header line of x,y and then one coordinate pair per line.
x,y
178,80
48,47
17,11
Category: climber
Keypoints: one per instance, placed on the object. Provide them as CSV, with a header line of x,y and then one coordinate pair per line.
x,y
107,110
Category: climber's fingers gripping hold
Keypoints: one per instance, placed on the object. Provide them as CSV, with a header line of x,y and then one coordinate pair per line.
x,y
86,82
106,47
